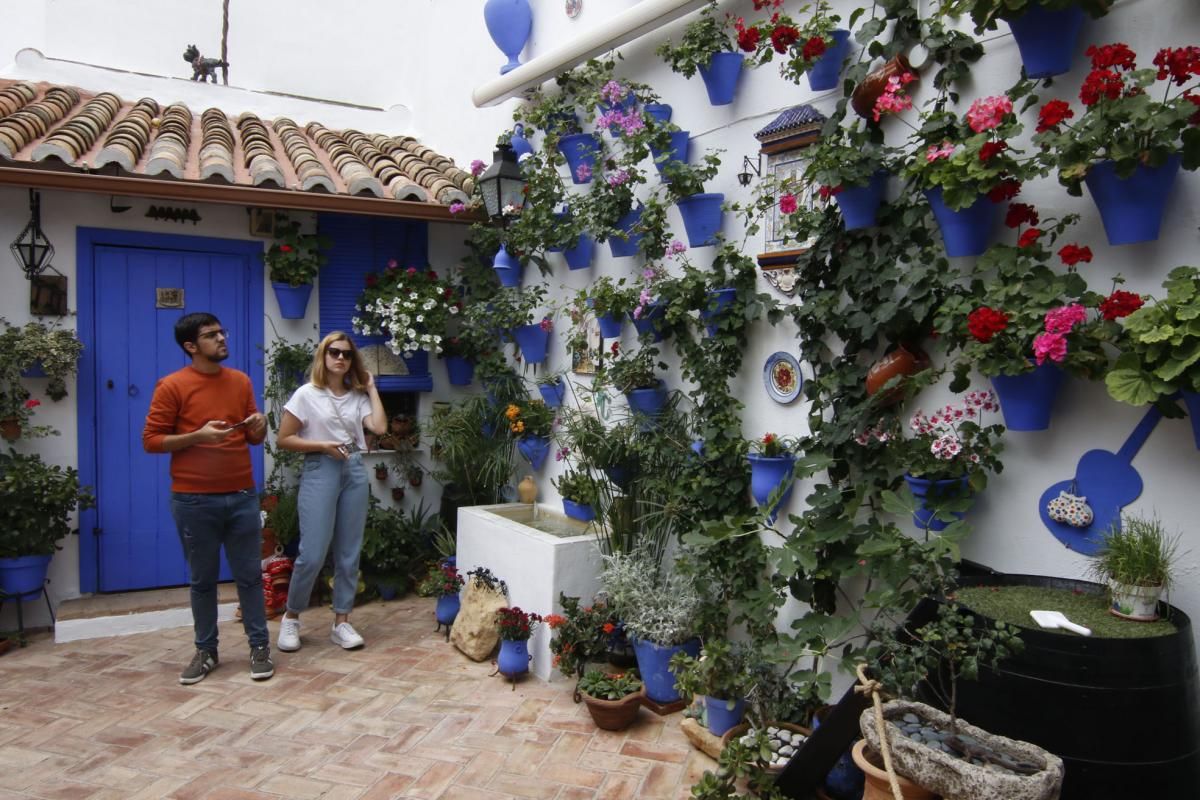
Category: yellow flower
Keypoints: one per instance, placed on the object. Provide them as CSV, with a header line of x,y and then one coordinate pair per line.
x,y
512,412
518,427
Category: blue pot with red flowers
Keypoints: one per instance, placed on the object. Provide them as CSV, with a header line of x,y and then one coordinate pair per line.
x,y
447,609
720,76
514,658
823,74
1132,206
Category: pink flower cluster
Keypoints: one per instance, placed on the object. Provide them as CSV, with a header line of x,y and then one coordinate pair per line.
x,y
1058,323
546,324
935,152
457,207
893,100
629,123
583,173
676,247
987,113
618,178
942,425
1064,318
613,92
876,433
477,167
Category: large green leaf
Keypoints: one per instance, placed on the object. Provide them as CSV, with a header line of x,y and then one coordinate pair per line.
x,y
1134,386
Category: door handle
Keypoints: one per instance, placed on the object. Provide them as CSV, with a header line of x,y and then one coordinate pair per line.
x,y
110,383
133,390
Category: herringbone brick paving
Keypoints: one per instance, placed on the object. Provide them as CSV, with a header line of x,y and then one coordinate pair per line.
x,y
406,717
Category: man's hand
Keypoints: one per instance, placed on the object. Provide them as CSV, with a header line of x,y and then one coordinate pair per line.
x,y
213,431
256,425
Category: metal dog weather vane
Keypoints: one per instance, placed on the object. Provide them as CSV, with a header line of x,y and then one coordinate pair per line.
x,y
202,68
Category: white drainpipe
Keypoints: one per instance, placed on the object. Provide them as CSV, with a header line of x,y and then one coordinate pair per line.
x,y
644,17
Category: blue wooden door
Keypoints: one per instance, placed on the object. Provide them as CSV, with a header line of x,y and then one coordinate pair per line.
x,y
137,546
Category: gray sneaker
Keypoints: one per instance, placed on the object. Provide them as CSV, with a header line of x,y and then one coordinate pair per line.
x,y
261,665
203,663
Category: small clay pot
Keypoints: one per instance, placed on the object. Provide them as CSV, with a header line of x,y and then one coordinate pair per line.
x,y
10,428
397,493
381,472
901,361
878,787
866,93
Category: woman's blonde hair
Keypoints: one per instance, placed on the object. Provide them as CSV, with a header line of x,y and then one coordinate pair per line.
x,y
356,376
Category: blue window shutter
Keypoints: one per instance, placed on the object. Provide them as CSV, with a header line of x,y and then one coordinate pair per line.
x,y
362,245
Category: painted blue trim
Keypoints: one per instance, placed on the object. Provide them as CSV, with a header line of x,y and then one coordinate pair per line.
x,y
86,241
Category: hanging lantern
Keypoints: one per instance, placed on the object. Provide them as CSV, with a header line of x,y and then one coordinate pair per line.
x,y
501,183
32,249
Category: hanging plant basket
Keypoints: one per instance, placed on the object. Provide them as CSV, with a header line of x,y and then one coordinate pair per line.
x,y
293,300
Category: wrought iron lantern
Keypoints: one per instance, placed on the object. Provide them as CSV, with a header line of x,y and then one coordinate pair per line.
x,y
32,249
501,183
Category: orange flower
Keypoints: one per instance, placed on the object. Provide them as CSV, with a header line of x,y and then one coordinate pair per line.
x,y
608,627
518,427
554,620
512,412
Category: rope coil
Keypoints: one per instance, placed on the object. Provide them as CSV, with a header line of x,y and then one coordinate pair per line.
x,y
875,689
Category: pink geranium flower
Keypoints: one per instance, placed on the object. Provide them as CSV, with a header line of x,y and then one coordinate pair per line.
x,y
787,204
477,167
1049,345
583,173
1064,318
935,152
987,113
457,207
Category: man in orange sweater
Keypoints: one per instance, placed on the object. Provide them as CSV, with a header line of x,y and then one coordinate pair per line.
x,y
204,415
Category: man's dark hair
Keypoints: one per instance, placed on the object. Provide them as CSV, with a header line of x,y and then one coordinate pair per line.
x,y
187,327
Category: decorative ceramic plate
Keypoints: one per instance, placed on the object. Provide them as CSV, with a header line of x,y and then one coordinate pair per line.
x,y
781,376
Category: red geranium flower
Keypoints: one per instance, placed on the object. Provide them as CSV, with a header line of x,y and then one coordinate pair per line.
x,y
1028,237
814,48
371,279
285,248
783,37
32,403
1021,214
608,627
827,192
787,204
1052,114
747,39
983,323
1179,62
1098,83
1072,254
1120,304
1116,55
992,149
1005,190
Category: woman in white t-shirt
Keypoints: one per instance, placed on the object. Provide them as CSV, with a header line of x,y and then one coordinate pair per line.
x,y
324,419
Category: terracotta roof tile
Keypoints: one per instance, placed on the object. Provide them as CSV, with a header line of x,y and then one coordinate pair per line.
x,y
40,122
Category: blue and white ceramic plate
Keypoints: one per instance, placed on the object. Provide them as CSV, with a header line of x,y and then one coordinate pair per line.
x,y
781,376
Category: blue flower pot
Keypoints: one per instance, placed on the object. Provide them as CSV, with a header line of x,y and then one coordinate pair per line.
x,y
1047,39
1192,401
678,151
623,245
720,716
720,77
580,511
767,474
719,300
1027,400
560,217
628,104
824,73
652,662
460,371
860,204
509,23
514,658
561,121
553,393
24,575
659,112
579,148
928,493
293,300
620,477
611,325
1132,208
519,143
387,591
967,232
535,449
38,370
580,256
845,780
702,216
651,321
447,609
508,268
533,341
648,402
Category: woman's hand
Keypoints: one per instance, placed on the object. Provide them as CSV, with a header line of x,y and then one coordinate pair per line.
x,y
370,381
334,450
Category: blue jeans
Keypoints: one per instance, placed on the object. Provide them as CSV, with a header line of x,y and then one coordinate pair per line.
x,y
333,511
205,523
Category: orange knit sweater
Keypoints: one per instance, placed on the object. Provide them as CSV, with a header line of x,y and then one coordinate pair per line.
x,y
185,401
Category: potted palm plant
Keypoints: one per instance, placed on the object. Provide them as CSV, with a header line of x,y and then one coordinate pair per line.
x,y
1135,561
36,503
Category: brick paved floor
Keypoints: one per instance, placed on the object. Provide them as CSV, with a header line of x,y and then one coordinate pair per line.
x,y
406,717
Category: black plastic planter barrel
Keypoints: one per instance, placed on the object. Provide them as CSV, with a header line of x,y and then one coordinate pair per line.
x,y
1123,714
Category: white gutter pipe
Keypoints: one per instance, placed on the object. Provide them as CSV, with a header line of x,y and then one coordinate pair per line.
x,y
644,17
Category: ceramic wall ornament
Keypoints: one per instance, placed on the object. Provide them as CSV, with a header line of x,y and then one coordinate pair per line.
x,y
782,377
574,7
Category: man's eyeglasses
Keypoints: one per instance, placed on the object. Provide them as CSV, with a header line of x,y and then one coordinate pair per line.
x,y
224,334
337,353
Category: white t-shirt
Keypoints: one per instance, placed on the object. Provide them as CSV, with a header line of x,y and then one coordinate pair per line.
x,y
314,407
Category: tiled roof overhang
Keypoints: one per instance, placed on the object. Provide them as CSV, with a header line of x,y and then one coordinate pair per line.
x,y
58,137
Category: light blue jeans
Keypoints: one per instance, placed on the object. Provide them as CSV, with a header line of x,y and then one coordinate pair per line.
x,y
333,511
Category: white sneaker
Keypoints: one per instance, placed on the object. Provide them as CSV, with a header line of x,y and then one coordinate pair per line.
x,y
345,637
289,634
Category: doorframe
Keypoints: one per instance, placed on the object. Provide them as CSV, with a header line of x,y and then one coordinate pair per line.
x,y
86,242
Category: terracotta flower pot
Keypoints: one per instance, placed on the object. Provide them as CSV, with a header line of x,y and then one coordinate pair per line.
x,y
381,472
613,715
878,787
900,361
866,93
10,428
397,493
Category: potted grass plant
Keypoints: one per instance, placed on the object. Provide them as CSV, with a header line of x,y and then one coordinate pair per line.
x,y
1136,562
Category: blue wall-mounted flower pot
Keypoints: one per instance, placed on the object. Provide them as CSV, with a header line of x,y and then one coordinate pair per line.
x,y
611,325
651,320
580,256
659,112
553,393
1047,39
966,232
580,148
508,268
535,449
1191,400
520,144
1027,399
824,73
628,243
509,23
1132,208
928,492
293,300
718,301
702,215
533,341
767,474
720,77
860,204
459,370
580,511
678,151
648,402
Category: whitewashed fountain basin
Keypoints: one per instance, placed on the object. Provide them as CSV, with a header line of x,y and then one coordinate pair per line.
x,y
539,552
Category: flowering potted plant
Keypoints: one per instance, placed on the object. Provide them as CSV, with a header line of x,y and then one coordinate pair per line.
x,y
722,676
30,351
772,471
516,626
701,211
409,306
1127,146
294,260
1161,351
634,373
611,210
581,634
613,699
815,48
530,422
611,301
1025,324
1046,30
966,167
444,583
707,46
946,458
579,494
512,312
852,166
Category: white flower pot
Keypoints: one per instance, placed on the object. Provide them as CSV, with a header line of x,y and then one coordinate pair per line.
x,y
1135,602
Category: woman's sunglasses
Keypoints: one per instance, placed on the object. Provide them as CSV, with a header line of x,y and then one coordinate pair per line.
x,y
337,352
